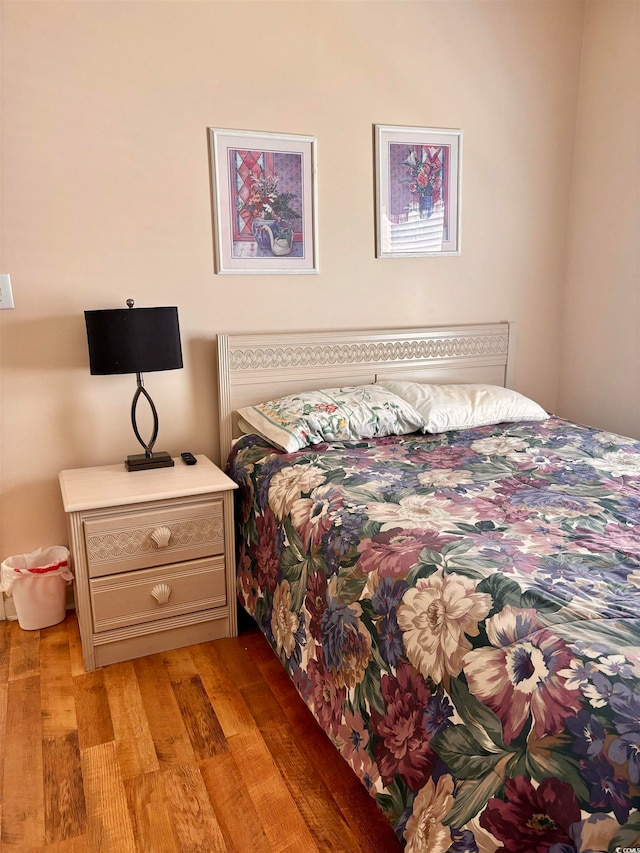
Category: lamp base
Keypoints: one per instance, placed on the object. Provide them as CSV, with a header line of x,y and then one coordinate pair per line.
x,y
141,462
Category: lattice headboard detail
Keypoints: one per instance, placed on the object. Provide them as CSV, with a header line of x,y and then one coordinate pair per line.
x,y
253,368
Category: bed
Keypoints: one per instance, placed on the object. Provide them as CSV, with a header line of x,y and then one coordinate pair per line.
x,y
458,609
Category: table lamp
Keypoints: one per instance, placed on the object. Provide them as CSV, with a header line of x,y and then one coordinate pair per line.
x,y
136,340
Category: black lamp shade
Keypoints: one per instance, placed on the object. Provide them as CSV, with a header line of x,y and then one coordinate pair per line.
x,y
133,340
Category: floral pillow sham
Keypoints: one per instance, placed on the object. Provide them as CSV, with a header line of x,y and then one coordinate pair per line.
x,y
451,407
334,414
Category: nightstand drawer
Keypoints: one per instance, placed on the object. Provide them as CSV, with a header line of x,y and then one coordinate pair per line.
x,y
151,594
132,533
123,542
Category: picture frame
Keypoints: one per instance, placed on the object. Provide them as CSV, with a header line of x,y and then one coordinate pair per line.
x,y
264,200
418,191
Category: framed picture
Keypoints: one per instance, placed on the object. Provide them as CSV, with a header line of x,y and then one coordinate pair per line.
x,y
418,183
264,202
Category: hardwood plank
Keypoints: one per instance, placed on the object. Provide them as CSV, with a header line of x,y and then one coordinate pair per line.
x,y
179,663
302,720
79,844
75,645
153,829
285,788
312,797
22,785
24,657
360,810
167,726
258,648
228,704
262,704
234,809
136,751
5,651
234,656
283,824
108,823
191,811
65,815
207,738
57,696
93,712
4,694
366,820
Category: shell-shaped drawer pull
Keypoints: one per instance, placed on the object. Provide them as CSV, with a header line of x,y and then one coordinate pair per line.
x,y
161,536
161,592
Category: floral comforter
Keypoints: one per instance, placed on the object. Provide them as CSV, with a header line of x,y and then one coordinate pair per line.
x,y
460,613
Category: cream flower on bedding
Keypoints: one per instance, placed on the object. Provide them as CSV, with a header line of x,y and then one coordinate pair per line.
x,y
287,485
283,621
612,438
634,578
499,445
444,478
619,463
316,515
524,675
426,512
425,832
435,616
412,511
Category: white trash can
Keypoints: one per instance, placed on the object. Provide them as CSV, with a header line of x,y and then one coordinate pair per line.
x,y
38,583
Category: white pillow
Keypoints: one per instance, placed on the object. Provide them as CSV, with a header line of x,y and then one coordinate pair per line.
x,y
449,407
336,414
244,428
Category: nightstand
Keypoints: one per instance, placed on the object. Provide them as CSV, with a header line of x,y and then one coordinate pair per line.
x,y
153,557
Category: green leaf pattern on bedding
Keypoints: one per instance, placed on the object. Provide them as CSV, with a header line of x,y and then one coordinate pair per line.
x,y
460,613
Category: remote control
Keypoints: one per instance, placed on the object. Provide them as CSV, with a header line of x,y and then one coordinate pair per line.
x,y
188,458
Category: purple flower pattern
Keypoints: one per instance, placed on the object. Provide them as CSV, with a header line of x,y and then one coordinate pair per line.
x,y
537,697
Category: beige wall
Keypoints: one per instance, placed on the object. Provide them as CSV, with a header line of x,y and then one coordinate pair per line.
x,y
105,195
600,356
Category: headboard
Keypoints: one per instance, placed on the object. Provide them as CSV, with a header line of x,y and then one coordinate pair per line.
x,y
254,368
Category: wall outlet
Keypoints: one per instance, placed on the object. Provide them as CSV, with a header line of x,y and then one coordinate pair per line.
x,y
6,294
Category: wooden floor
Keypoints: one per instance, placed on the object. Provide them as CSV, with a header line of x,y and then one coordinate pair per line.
x,y
206,748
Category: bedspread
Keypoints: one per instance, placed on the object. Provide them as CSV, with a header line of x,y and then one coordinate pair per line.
x,y
460,613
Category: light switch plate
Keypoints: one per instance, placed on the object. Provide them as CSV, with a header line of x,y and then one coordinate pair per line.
x,y
6,294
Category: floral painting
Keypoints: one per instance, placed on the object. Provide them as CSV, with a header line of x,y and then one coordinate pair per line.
x,y
418,191
461,614
264,202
